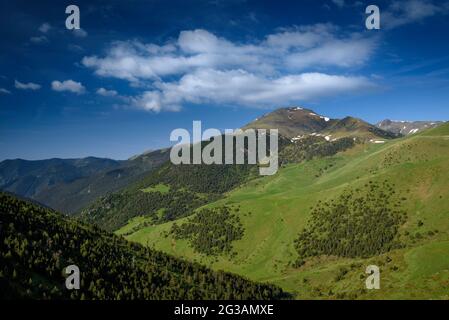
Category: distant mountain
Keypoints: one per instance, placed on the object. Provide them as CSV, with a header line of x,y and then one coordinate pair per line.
x,y
68,185
175,191
406,127
354,127
295,122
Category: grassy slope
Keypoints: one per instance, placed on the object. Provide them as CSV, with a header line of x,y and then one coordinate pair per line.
x,y
37,243
162,188
280,206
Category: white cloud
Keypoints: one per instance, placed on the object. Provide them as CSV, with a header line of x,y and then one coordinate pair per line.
x,y
341,53
26,86
302,37
106,93
135,61
400,13
80,33
39,39
239,87
45,27
4,91
153,101
68,85
200,67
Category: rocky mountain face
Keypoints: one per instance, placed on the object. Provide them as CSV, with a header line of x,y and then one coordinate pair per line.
x,y
406,127
295,122
292,121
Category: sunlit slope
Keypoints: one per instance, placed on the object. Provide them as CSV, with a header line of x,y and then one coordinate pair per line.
x,y
274,209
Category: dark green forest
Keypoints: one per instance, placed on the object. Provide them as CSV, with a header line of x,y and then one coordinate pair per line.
x,y
114,210
210,231
191,186
311,147
194,185
359,223
36,244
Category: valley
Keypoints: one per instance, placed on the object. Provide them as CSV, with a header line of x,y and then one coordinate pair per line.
x,y
273,210
37,243
68,185
340,201
224,159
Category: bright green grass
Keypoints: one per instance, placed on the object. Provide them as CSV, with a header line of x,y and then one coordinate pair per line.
x,y
274,209
162,188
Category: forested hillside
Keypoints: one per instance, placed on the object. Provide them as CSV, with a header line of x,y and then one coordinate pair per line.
x,y
36,244
176,191
315,226
68,185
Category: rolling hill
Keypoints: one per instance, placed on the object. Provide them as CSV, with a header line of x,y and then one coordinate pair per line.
x,y
347,195
404,179
68,185
36,244
175,191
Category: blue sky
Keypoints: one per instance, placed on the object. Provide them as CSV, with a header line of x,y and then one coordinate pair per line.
x,y
139,69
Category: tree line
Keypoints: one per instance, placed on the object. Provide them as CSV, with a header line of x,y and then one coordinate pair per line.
x,y
210,231
358,223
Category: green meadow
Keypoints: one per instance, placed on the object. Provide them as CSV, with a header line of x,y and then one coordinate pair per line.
x,y
273,210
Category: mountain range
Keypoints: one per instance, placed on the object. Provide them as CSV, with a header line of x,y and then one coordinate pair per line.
x,y
69,185
348,194
294,122
406,127
315,226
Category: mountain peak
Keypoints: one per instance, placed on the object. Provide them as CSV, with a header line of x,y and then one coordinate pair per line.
x,y
297,121
291,121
